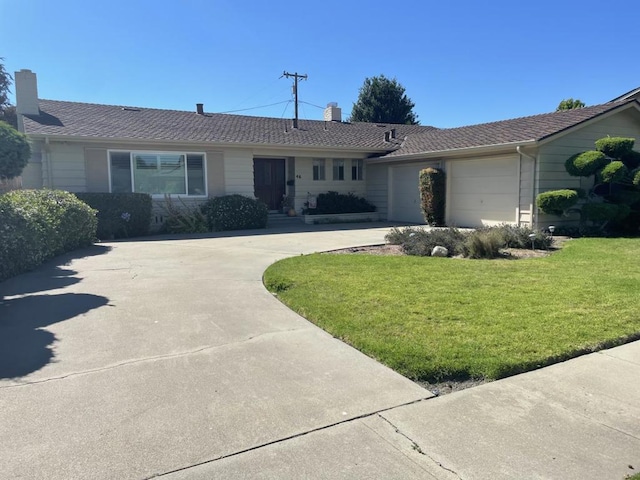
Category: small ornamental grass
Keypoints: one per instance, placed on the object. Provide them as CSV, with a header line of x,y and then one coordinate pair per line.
x,y
486,242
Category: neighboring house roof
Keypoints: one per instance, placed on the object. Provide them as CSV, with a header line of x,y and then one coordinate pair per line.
x,y
518,130
86,120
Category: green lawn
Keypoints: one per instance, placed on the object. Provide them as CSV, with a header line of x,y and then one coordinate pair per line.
x,y
437,318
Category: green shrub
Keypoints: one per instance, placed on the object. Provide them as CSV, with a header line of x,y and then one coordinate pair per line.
x,y
183,218
484,243
420,241
14,151
614,172
585,164
36,225
336,203
615,147
235,212
636,177
120,215
556,202
432,195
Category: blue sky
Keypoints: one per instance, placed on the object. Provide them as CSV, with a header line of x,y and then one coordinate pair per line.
x,y
461,62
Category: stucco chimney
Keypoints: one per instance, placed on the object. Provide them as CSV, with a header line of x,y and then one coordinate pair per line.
x,y
332,113
26,92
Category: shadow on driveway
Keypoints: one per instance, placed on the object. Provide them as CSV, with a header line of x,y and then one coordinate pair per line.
x,y
24,346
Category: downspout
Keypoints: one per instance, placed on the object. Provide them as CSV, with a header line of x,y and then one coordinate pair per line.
x,y
534,208
47,156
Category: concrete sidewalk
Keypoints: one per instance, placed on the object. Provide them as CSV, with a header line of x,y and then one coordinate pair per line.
x,y
167,358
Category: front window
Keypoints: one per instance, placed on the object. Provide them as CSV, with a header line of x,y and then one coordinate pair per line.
x,y
356,169
318,168
338,169
158,173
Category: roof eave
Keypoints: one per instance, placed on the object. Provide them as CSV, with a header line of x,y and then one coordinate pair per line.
x,y
481,149
208,144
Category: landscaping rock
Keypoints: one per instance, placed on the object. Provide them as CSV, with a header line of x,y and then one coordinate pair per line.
x,y
439,252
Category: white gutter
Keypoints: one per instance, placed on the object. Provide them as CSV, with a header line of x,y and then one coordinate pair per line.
x,y
533,206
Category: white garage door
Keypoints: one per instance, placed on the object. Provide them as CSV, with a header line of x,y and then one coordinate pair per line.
x,y
482,192
404,196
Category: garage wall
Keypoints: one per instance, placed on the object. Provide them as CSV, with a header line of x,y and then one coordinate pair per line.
x,y
377,187
404,192
483,191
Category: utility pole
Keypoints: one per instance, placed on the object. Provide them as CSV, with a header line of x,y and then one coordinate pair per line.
x,y
295,91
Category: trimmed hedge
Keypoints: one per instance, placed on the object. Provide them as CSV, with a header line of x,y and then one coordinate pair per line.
x,y
614,172
36,225
335,203
120,215
235,212
615,147
585,164
557,202
605,212
432,195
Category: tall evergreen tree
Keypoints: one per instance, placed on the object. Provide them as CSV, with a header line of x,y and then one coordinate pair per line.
x,y
383,100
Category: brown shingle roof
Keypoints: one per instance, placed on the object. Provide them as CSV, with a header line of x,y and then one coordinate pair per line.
x,y
536,128
108,121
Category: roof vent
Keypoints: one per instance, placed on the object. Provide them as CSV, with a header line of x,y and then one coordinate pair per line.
x,y
386,136
393,133
130,109
200,108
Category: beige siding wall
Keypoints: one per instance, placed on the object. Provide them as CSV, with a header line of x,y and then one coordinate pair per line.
x,y
551,157
377,188
67,167
305,185
238,172
32,173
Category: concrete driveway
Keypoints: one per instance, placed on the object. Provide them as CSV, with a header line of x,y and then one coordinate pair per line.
x,y
167,358
147,357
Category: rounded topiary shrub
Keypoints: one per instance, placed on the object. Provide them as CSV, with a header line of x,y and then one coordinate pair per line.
x,y
235,212
615,147
614,172
432,195
557,202
635,177
585,164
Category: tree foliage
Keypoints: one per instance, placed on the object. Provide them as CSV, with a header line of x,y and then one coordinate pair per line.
x,y
14,151
570,104
383,100
7,111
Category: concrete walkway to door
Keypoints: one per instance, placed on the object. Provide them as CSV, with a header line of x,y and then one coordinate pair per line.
x,y
168,358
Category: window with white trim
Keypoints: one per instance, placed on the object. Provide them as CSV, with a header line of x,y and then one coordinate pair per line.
x,y
356,169
318,169
158,173
338,169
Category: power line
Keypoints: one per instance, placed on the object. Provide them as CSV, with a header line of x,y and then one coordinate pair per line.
x,y
313,105
255,108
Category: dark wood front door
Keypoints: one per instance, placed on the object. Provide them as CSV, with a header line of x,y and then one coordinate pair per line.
x,y
269,181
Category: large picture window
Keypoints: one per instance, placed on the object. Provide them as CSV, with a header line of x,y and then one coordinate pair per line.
x,y
171,173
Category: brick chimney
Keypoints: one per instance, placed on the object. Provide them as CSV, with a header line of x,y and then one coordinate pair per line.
x,y
26,92
332,113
